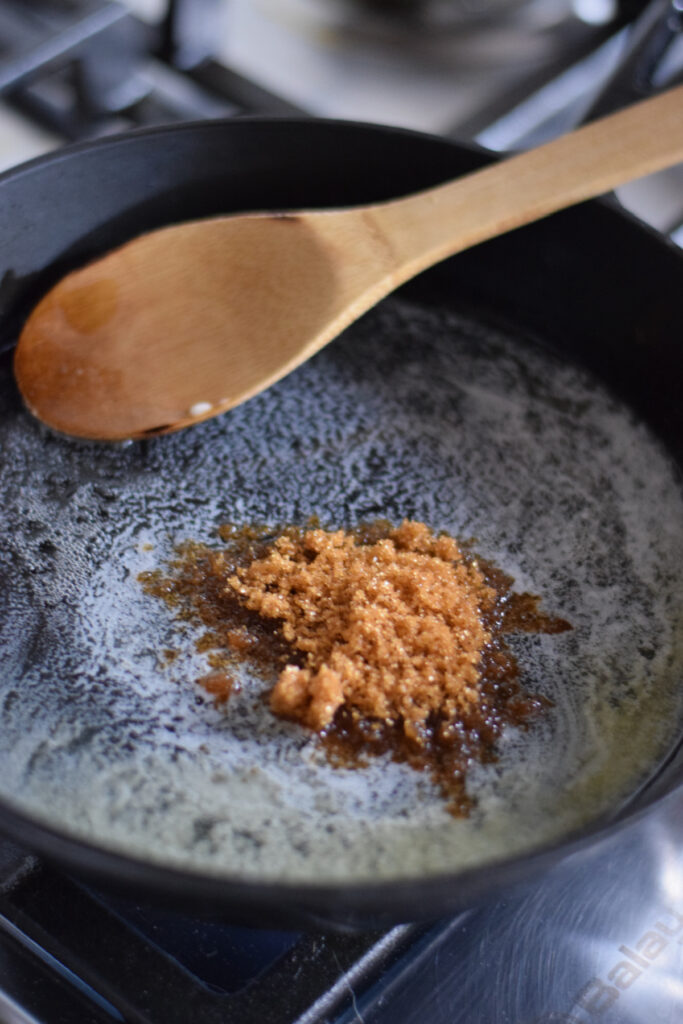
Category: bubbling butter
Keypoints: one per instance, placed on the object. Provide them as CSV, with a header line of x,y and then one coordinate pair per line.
x,y
413,413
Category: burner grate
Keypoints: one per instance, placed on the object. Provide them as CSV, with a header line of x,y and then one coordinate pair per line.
x,y
82,68
71,953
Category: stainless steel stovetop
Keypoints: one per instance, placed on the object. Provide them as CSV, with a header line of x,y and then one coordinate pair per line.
x,y
600,938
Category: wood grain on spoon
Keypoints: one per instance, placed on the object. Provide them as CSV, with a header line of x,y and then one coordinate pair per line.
x,y
190,320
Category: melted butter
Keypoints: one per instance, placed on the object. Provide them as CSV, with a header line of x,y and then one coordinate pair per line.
x,y
475,432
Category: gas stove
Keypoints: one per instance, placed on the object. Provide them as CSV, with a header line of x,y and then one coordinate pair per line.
x,y
600,938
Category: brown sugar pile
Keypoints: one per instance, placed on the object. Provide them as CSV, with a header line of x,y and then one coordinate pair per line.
x,y
391,630
384,640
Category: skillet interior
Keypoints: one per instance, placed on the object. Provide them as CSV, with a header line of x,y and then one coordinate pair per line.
x,y
50,484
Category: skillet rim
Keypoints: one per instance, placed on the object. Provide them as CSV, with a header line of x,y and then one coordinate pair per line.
x,y
347,903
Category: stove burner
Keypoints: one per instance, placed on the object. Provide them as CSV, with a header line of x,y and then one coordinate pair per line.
x,y
82,68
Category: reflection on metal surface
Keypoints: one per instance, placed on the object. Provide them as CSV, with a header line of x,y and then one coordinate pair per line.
x,y
598,939
12,1013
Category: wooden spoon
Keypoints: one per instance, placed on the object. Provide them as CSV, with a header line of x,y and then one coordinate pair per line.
x,y
190,320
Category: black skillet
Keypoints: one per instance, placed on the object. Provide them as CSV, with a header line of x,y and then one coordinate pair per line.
x,y
592,284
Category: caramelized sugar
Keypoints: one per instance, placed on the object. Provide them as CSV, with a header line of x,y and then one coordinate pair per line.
x,y
445,742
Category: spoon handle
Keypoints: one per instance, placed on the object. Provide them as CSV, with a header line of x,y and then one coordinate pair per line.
x,y
425,228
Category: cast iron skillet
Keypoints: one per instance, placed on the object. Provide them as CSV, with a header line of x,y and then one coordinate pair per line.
x,y
592,282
